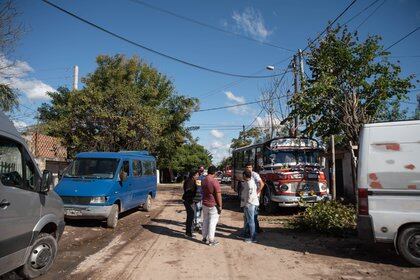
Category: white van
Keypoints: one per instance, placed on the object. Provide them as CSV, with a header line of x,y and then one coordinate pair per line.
x,y
389,186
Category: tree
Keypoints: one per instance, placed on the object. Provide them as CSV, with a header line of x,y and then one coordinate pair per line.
x,y
246,138
352,83
10,32
227,161
190,156
125,105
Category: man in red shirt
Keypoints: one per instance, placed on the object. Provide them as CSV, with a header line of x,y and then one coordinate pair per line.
x,y
212,206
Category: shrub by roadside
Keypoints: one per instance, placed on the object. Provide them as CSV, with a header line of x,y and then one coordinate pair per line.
x,y
330,217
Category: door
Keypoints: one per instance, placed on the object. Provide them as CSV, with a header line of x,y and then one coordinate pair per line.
x,y
139,182
20,203
149,173
126,184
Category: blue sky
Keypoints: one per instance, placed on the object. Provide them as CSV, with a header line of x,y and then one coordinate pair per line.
x,y
54,42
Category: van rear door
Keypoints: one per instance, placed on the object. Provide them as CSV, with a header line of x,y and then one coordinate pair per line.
x,y
20,203
393,176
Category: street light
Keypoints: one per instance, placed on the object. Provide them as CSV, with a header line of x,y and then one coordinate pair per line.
x,y
269,67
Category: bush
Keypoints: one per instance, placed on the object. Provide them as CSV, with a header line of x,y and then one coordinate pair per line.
x,y
331,217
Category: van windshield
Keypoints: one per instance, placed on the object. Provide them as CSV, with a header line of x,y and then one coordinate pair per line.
x,y
96,168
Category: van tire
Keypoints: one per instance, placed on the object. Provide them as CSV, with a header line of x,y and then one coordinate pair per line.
x,y
41,257
405,246
112,219
147,206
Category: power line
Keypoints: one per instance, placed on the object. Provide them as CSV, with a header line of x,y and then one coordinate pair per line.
x,y
152,50
403,38
371,14
329,25
150,6
359,13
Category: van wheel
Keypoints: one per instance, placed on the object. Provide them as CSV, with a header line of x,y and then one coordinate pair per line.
x,y
147,206
112,219
409,244
41,257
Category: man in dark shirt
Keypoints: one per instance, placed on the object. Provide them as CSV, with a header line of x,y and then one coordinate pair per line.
x,y
212,206
190,189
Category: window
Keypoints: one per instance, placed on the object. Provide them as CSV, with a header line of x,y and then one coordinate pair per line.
x,y
126,168
11,171
148,168
137,169
98,168
31,176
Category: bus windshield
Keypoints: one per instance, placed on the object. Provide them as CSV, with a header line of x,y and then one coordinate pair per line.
x,y
291,157
92,168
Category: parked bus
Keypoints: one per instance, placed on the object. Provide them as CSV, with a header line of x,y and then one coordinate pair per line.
x,y
290,167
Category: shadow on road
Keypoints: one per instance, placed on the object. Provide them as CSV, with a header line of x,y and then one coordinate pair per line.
x,y
169,232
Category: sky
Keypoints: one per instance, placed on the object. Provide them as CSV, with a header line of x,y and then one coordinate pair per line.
x,y
54,42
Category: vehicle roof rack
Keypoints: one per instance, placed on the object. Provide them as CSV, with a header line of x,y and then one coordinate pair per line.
x,y
142,152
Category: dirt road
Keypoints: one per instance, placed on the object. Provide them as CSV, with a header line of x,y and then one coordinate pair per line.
x,y
152,246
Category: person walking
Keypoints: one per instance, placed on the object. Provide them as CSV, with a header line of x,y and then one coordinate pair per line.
x,y
198,205
249,202
190,189
212,206
260,185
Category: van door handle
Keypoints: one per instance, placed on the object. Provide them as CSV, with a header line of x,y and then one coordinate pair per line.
x,y
4,204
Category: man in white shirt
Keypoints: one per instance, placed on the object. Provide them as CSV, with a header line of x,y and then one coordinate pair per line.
x,y
260,185
249,201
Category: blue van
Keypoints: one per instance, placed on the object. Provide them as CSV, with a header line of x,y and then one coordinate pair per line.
x,y
100,185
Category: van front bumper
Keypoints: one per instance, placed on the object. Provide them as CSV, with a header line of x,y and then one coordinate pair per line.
x,y
294,201
365,228
87,211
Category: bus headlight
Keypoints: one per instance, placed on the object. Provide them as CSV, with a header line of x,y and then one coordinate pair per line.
x,y
323,187
282,188
98,199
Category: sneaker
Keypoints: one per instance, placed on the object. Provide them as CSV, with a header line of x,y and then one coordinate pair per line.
x,y
204,240
249,240
214,243
190,235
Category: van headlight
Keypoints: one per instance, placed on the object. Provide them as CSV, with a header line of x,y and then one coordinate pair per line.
x,y
98,199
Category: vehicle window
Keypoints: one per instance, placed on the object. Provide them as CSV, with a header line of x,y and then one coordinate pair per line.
x,y
137,168
30,176
11,171
126,168
148,168
98,168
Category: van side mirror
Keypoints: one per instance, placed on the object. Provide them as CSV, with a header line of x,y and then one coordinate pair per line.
x,y
46,181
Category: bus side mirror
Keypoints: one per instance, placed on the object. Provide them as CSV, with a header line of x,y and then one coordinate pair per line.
x,y
46,181
323,162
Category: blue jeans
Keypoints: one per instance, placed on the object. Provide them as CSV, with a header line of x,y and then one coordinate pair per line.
x,y
197,213
245,231
249,211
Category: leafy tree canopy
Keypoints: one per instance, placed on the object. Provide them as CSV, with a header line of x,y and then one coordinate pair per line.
x,y
246,138
352,83
125,104
190,156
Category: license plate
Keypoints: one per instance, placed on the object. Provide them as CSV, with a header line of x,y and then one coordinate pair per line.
x,y
309,199
73,212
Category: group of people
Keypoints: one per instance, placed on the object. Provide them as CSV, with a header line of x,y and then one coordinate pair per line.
x,y
203,199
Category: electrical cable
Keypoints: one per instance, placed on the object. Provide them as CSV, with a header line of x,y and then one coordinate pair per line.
x,y
150,6
359,13
403,38
152,50
371,14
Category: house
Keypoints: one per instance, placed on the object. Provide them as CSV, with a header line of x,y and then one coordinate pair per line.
x,y
48,151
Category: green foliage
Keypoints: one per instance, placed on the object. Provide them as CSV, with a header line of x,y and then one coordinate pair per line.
x,y
246,138
190,156
125,105
331,217
9,98
352,84
227,161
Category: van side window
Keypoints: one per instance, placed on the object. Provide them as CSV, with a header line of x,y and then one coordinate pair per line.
x,y
11,171
31,179
137,170
126,168
148,168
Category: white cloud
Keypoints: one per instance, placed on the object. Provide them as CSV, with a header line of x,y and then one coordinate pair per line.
x,y
219,150
251,22
239,110
20,125
217,133
231,96
15,74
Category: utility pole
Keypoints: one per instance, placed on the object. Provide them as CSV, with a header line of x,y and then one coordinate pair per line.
x,y
295,73
333,182
75,77
302,71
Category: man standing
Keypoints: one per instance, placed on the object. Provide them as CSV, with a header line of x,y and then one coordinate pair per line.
x,y
198,206
260,185
212,206
249,201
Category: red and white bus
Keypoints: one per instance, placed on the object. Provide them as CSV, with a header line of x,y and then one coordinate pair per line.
x,y
292,169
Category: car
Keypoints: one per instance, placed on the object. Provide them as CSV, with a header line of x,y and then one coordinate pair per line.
x,y
101,185
389,186
31,213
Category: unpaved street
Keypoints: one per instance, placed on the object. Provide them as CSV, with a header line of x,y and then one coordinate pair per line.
x,y
152,246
